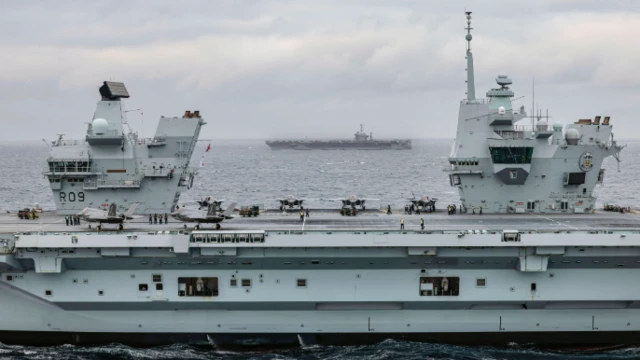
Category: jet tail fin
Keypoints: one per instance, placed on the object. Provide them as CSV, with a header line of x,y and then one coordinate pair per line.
x,y
112,210
229,211
211,210
132,208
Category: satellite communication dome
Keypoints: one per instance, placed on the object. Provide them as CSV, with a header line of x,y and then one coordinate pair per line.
x,y
557,126
501,110
541,125
572,136
99,126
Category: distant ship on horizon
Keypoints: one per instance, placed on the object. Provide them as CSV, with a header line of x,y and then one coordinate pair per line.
x,y
360,141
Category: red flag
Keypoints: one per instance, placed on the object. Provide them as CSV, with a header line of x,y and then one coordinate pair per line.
x,y
208,148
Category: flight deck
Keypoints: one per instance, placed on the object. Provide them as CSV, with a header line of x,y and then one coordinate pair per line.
x,y
326,219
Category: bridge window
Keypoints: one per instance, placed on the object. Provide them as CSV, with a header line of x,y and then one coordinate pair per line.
x,y
198,286
69,166
511,155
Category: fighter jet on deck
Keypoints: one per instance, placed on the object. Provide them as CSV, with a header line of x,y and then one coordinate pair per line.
x,y
352,201
108,216
290,202
211,216
210,200
424,203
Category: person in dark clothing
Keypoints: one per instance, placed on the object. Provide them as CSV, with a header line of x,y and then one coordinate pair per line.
x,y
422,223
150,219
389,209
160,219
166,218
67,219
301,215
155,218
307,212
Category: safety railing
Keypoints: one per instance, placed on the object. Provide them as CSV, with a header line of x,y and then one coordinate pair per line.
x,y
100,183
571,195
104,133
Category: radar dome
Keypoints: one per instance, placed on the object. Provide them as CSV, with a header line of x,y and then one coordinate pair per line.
x,y
541,125
99,126
572,136
501,110
557,126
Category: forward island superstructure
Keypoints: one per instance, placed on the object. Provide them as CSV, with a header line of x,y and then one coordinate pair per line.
x,y
113,166
565,277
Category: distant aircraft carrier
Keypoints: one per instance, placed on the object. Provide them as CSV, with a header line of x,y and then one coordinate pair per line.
x,y
361,141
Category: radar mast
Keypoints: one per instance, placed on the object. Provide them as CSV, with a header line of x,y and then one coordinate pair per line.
x,y
471,88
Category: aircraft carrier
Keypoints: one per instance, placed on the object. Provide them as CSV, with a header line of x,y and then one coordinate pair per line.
x,y
530,260
361,141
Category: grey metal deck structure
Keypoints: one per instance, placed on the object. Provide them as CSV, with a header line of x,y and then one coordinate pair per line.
x,y
328,220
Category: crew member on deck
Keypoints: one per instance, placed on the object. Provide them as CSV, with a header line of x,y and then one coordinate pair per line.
x,y
422,223
150,219
301,215
307,212
401,223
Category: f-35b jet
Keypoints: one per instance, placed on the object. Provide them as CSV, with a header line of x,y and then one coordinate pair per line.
x,y
424,203
290,202
210,200
108,216
352,201
211,216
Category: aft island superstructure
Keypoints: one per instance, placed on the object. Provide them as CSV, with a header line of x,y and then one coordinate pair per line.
x,y
553,272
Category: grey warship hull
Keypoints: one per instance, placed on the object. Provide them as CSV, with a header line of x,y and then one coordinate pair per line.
x,y
327,280
339,145
540,266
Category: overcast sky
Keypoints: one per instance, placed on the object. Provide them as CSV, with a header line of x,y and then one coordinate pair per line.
x,y
269,69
